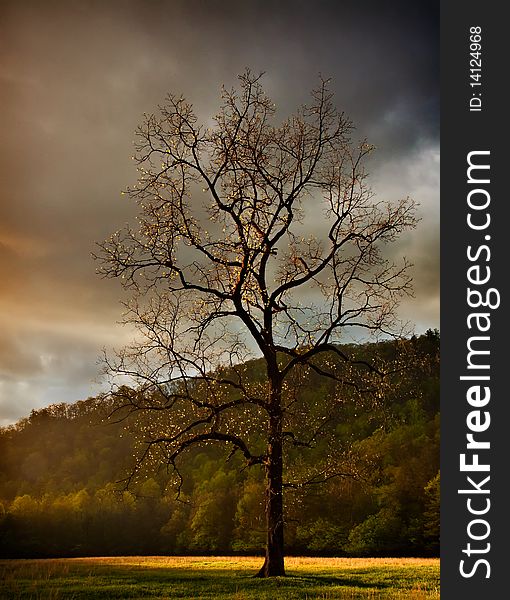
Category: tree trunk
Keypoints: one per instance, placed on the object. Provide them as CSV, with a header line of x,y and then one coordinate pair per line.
x,y
274,560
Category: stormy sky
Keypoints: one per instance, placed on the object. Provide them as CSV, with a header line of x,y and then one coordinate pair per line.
x,y
75,80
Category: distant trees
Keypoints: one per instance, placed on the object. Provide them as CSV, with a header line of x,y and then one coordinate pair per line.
x,y
254,239
393,509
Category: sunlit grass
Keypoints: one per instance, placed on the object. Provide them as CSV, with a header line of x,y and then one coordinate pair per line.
x,y
211,578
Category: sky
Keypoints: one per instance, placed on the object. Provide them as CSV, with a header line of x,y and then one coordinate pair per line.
x,y
76,78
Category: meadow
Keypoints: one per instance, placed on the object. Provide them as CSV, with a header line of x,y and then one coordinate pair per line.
x,y
217,578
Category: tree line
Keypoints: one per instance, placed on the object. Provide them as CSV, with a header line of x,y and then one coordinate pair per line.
x,y
63,472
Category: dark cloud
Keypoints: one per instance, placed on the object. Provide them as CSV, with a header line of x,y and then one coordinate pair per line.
x,y
76,78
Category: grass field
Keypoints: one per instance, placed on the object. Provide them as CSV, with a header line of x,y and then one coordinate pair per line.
x,y
211,578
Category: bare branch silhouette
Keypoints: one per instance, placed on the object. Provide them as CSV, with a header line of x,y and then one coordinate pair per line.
x,y
223,268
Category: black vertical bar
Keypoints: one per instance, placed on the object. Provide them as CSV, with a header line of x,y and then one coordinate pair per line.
x,y
465,129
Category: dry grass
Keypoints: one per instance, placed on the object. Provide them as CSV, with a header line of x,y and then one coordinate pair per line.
x,y
218,577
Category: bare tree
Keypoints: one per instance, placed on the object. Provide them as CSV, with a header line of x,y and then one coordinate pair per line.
x,y
223,268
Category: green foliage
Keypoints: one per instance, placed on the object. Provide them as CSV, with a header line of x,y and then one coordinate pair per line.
x,y
432,513
60,467
321,536
379,533
249,535
212,520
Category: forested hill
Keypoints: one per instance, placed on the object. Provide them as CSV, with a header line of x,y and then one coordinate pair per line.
x,y
60,466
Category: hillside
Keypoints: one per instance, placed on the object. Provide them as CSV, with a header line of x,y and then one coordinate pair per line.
x,y
60,467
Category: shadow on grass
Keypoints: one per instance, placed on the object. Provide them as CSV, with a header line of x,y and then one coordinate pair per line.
x,y
180,575
214,583
334,581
